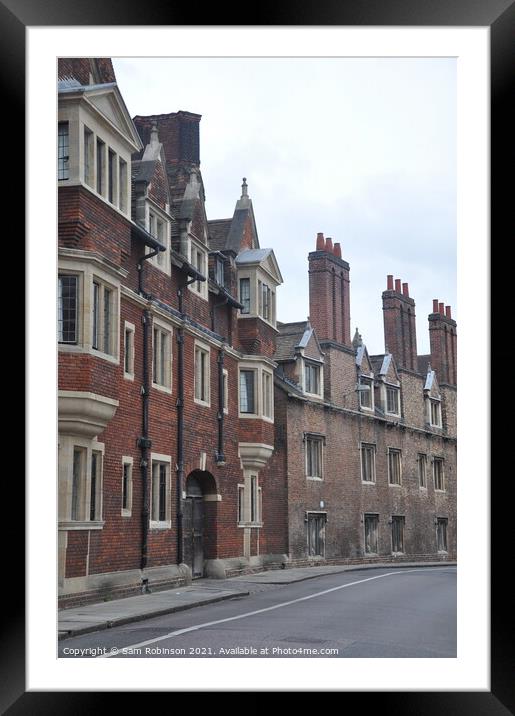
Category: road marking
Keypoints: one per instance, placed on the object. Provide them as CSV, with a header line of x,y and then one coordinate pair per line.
x,y
257,611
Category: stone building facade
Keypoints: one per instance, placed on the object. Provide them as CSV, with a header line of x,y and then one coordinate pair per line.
x,y
189,417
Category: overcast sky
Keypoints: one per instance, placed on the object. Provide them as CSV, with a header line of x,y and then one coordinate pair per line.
x,y
363,150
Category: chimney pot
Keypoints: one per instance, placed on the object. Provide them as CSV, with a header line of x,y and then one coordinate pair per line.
x,y
320,242
448,311
329,245
337,250
435,305
389,282
441,309
398,285
405,290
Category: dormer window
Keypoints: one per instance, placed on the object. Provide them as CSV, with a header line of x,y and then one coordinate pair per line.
x,y
198,259
392,400
366,393
312,378
219,271
266,299
258,278
435,413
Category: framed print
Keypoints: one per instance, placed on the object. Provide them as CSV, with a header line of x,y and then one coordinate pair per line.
x,y
183,494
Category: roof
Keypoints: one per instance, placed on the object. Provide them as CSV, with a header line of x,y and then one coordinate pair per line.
x,y
291,336
218,233
378,363
422,363
251,256
143,171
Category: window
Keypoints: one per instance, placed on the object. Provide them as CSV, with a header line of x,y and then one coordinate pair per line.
x,y
111,177
398,534
67,304
254,499
202,375
160,503
158,228
94,501
219,271
225,388
366,396
435,415
316,534
314,457
441,534
368,462
394,466
422,470
162,358
241,504
438,474
100,166
245,294
129,350
312,378
63,151
122,186
268,396
78,470
392,400
103,299
88,157
371,532
265,301
247,392
126,486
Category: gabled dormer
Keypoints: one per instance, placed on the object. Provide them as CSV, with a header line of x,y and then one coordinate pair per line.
x,y
300,357
365,374
432,399
258,279
388,390
151,198
96,137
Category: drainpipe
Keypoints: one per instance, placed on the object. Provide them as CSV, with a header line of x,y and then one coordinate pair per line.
x,y
144,441
220,457
180,425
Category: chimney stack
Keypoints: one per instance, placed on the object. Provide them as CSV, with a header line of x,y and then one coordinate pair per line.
x,y
443,343
400,333
329,294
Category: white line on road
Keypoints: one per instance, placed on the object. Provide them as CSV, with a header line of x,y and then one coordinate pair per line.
x,y
257,611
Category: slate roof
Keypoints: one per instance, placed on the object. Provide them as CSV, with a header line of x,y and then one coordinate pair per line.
x,y
252,255
422,362
218,233
290,336
143,171
377,363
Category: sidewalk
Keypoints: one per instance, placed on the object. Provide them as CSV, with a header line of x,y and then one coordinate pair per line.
x,y
95,617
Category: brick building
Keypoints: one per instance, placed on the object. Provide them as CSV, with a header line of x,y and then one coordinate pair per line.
x,y
367,442
197,434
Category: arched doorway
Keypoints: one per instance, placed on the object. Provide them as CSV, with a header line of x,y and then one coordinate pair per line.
x,y
199,522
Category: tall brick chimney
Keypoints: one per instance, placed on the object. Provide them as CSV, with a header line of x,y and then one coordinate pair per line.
x,y
178,132
443,343
400,333
329,299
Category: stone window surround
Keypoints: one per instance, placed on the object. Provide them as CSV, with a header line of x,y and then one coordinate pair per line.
x,y
207,373
389,450
321,439
259,368
129,327
248,476
438,522
402,520
384,399
164,327
67,444
127,460
254,275
429,401
363,445
225,373
160,459
84,115
152,208
365,515
320,365
365,379
441,460
87,269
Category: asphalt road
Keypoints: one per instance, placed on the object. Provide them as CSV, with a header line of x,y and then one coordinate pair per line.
x,y
380,613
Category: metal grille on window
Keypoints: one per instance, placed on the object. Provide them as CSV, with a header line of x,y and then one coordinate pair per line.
x,y
397,534
441,534
67,309
316,535
371,542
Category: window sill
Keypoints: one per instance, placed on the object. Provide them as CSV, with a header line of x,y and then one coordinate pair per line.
x,y
201,402
250,524
395,484
162,388
126,513
368,482
155,525
69,525
128,376
105,356
314,478
440,491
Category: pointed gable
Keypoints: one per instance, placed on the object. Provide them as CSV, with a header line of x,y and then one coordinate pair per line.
x,y
363,361
431,387
385,368
107,100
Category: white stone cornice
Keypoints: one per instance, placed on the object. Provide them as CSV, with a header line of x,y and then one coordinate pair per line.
x,y
83,413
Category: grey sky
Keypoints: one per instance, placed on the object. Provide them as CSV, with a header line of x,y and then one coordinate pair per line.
x,y
362,149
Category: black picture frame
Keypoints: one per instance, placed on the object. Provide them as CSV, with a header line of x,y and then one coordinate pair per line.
x,y
499,15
